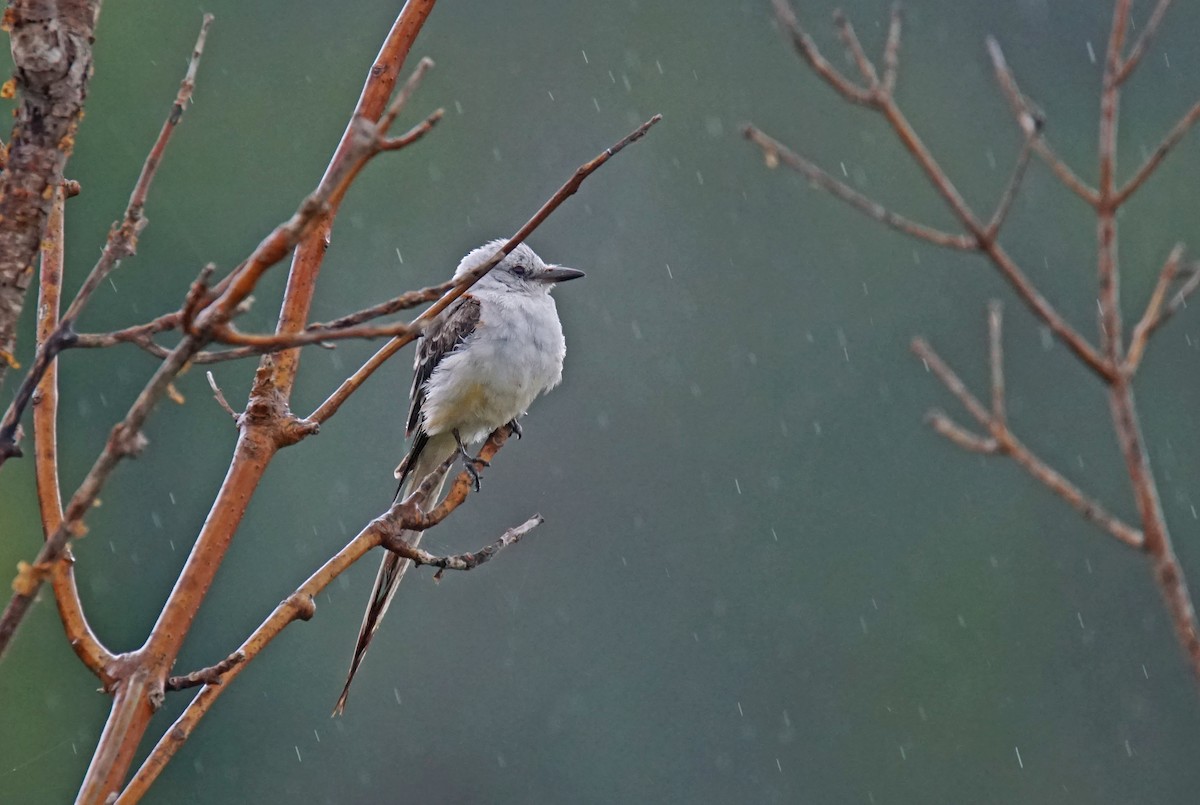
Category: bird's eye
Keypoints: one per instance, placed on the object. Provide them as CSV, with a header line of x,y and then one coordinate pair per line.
x,y
519,270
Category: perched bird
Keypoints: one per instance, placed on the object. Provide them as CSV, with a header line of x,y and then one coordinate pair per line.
x,y
480,364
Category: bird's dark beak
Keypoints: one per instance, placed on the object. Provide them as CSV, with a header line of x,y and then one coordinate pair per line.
x,y
560,274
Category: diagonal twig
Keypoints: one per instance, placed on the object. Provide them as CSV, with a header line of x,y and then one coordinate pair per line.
x,y
776,152
1177,133
1154,316
1130,62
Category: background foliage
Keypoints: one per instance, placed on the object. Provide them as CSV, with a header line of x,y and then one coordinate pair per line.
x,y
761,578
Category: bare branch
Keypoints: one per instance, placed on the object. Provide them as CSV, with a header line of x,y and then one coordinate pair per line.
x,y
1177,133
212,675
462,561
996,361
316,335
807,48
301,605
1130,62
1008,444
95,655
1010,191
947,427
978,232
891,50
776,152
942,371
1153,317
219,396
855,49
1030,122
404,301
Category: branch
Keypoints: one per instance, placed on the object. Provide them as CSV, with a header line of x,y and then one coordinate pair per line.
x,y
52,55
855,49
316,335
1154,316
301,605
417,325
891,49
267,424
1010,191
94,655
122,242
363,141
980,235
404,301
1177,133
1002,439
1031,121
807,49
1138,50
462,561
212,675
776,152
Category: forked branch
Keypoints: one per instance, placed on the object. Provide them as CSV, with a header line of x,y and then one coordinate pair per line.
x,y
301,605
999,438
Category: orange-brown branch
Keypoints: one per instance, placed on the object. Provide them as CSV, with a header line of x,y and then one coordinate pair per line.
x,y
83,640
301,605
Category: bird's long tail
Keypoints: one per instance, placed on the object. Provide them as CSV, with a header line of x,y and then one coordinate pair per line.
x,y
393,567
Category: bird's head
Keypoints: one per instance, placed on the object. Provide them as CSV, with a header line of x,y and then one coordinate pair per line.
x,y
520,270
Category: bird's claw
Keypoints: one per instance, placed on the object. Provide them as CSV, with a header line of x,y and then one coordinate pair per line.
x,y
514,428
471,464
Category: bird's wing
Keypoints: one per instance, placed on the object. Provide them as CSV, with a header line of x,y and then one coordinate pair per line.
x,y
451,330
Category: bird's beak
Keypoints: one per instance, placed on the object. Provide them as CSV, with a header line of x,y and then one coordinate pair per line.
x,y
560,274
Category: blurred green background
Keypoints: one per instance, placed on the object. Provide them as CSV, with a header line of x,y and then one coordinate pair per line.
x,y
761,578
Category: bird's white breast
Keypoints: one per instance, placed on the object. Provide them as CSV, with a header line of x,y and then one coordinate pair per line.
x,y
514,354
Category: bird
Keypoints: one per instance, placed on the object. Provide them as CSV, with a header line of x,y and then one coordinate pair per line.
x,y
479,365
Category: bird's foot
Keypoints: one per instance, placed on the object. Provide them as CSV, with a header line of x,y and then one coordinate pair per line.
x,y
514,428
472,464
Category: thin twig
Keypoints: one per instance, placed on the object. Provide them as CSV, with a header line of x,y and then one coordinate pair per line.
x,y
1029,121
462,561
404,301
1177,133
807,48
943,425
219,396
776,152
996,361
1010,191
335,400
891,49
318,335
855,48
1130,62
1007,443
1153,317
